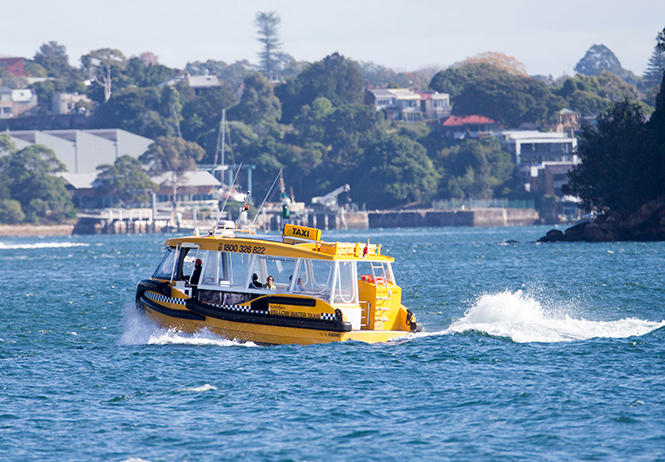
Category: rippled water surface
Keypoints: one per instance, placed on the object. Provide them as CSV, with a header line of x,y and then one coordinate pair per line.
x,y
530,352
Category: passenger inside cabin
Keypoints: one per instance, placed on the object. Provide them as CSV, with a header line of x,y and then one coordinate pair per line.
x,y
300,286
255,284
196,275
270,283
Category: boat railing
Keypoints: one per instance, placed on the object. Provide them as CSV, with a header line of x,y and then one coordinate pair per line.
x,y
344,249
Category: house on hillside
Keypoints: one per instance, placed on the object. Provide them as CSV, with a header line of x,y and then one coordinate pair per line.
x,y
14,103
67,103
542,158
13,65
408,106
471,126
196,82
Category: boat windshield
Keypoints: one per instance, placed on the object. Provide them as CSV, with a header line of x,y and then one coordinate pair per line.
x,y
314,277
224,269
168,265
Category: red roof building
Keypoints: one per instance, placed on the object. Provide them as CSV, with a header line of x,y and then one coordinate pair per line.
x,y
13,65
473,126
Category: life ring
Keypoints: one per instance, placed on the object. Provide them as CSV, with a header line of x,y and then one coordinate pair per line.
x,y
369,278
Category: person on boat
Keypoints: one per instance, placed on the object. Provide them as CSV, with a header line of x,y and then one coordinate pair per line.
x,y
300,286
255,284
270,283
196,275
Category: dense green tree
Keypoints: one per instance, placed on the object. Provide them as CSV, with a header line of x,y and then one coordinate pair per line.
x,y
310,124
145,111
172,157
267,24
509,99
348,130
258,104
619,171
43,196
202,115
483,89
146,75
394,171
599,59
11,212
53,58
653,74
335,77
591,95
34,69
126,180
474,169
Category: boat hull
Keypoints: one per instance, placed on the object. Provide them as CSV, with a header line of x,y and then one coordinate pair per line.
x,y
176,314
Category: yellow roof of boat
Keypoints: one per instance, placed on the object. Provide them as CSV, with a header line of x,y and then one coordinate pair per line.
x,y
291,245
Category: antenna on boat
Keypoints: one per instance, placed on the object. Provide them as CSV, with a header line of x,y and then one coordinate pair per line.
x,y
279,175
231,189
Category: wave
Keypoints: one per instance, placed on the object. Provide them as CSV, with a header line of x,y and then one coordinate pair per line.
x,y
42,245
523,319
139,330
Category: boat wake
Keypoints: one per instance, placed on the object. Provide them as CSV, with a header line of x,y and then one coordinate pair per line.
x,y
138,330
523,319
42,245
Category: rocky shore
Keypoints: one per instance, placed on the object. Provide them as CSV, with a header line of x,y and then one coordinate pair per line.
x,y
647,224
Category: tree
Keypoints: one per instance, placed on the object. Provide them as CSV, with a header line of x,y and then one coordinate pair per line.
x,y
126,180
395,171
42,196
619,170
145,111
146,75
474,169
172,157
500,60
599,58
53,58
258,104
105,66
267,23
509,99
655,68
201,116
335,77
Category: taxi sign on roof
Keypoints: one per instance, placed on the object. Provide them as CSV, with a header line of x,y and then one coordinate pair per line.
x,y
301,232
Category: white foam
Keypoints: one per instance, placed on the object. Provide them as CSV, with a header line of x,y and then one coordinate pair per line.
x,y
201,389
523,319
42,245
139,330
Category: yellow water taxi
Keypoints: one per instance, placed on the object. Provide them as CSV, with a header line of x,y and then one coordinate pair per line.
x,y
292,288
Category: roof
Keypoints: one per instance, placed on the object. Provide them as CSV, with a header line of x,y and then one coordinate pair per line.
x,y
399,93
79,180
196,178
456,121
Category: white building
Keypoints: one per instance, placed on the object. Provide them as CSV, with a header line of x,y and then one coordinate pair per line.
x,y
14,103
408,106
82,151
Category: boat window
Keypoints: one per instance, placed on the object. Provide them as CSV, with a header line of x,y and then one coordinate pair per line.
x,y
188,263
280,268
225,269
345,283
166,267
316,276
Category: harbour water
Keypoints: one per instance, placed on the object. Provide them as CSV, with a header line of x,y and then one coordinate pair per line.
x,y
530,352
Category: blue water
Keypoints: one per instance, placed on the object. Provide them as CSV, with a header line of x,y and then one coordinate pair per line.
x,y
531,352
